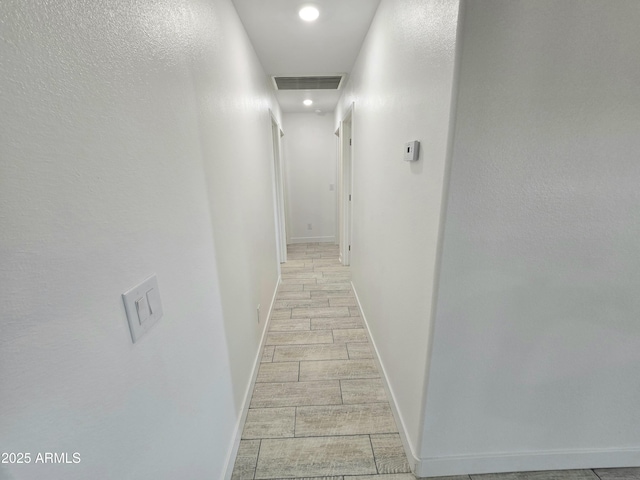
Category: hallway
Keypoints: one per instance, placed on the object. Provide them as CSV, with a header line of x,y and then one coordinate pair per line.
x,y
184,144
319,407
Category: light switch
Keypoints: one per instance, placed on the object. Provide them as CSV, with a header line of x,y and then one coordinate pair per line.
x,y
143,307
154,301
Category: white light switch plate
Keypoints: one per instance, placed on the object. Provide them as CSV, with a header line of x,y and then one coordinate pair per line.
x,y
143,307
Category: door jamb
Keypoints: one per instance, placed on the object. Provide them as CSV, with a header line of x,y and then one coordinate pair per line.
x,y
346,185
278,190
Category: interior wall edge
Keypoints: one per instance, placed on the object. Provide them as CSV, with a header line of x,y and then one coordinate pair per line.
x,y
443,214
237,436
414,460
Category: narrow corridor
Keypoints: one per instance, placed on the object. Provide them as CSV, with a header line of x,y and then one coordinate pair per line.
x,y
319,407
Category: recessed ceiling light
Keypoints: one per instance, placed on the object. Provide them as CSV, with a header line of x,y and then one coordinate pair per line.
x,y
309,14
308,102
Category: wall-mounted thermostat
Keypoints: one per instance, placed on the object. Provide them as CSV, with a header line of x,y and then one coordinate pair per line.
x,y
411,151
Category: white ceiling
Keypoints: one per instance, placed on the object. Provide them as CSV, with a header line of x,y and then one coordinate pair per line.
x,y
288,46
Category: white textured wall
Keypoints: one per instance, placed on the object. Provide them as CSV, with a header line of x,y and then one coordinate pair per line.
x,y
309,148
119,158
402,86
537,338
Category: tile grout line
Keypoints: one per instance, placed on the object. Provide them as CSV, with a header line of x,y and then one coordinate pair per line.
x,y
255,467
373,454
295,421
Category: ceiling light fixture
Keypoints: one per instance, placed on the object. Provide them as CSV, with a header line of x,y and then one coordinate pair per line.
x,y
309,14
308,102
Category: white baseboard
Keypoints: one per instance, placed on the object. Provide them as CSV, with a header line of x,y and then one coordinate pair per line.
x,y
402,427
312,239
233,451
500,462
527,461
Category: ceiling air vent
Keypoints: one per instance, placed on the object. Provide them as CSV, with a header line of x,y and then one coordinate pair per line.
x,y
308,83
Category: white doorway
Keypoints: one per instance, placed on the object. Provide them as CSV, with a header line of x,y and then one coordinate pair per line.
x,y
345,184
278,191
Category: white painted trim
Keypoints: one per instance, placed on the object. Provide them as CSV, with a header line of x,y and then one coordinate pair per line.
x,y
402,427
527,461
311,239
233,451
278,189
337,190
345,190
499,462
442,221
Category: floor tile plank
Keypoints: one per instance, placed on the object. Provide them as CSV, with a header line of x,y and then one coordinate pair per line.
x,y
290,288
342,302
322,285
299,338
280,314
296,394
246,460
388,453
359,350
398,476
632,473
320,312
269,423
344,420
359,391
330,293
267,354
340,322
450,477
353,335
286,353
301,303
278,372
338,370
545,475
289,325
293,295
311,457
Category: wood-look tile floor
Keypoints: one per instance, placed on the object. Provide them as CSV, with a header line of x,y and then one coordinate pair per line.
x,y
319,409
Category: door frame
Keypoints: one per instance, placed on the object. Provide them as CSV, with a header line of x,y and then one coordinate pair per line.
x,y
345,196
278,190
338,199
